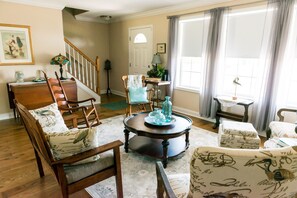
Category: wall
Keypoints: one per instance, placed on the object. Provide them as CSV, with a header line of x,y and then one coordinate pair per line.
x,y
47,41
91,38
185,101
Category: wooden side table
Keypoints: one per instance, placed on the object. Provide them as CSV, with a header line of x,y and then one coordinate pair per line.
x,y
156,84
232,116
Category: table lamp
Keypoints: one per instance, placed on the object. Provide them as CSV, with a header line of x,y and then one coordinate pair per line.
x,y
156,60
60,60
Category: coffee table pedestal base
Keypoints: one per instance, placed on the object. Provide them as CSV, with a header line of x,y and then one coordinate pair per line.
x,y
154,147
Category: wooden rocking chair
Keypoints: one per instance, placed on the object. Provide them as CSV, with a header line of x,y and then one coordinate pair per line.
x,y
70,110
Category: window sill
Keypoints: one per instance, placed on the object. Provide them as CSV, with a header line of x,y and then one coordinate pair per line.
x,y
187,89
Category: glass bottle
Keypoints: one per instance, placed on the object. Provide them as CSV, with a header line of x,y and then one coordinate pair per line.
x,y
167,108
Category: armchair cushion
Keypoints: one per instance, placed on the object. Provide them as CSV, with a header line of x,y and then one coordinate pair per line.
x,y
138,94
77,172
49,118
68,143
282,129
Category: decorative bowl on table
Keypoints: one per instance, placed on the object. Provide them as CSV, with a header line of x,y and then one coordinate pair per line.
x,y
157,118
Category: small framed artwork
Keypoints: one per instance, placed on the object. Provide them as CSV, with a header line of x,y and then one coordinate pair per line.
x,y
15,45
161,48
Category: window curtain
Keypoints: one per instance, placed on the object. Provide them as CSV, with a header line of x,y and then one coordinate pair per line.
x,y
172,51
212,57
281,12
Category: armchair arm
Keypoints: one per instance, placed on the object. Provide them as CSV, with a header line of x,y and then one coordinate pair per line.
x,y
89,153
280,111
163,184
81,101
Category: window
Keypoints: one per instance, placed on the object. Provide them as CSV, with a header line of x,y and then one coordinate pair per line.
x,y
140,38
288,82
243,53
191,46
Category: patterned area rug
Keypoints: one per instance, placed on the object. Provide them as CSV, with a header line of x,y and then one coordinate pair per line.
x,y
139,178
115,105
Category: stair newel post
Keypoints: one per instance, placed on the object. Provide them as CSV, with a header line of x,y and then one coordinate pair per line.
x,y
98,74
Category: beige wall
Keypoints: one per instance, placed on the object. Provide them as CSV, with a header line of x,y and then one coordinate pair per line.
x,y
47,41
183,100
91,38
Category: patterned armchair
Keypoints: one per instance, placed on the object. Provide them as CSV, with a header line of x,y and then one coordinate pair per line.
x,y
224,172
281,128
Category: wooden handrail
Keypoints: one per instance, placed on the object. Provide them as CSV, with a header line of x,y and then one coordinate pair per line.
x,y
83,68
79,51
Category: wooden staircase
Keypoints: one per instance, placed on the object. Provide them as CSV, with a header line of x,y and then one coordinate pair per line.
x,y
82,67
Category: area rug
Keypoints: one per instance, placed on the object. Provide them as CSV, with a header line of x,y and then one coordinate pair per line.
x,y
139,177
115,105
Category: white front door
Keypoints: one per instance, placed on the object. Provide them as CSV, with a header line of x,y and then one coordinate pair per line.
x,y
140,49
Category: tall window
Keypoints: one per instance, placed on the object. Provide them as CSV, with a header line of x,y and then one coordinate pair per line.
x,y
288,83
243,51
191,44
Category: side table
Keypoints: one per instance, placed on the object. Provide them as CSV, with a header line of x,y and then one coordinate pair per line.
x,y
156,84
227,100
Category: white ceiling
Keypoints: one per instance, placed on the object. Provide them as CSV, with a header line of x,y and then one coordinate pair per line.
x,y
118,9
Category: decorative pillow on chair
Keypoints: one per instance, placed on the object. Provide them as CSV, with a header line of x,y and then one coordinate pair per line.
x,y
49,118
138,94
68,143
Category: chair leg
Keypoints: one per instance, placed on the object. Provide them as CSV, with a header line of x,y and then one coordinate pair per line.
x,y
130,110
39,164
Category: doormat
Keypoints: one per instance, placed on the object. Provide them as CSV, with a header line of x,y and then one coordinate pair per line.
x,y
115,105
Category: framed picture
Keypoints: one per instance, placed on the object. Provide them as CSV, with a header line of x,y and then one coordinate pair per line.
x,y
15,45
161,48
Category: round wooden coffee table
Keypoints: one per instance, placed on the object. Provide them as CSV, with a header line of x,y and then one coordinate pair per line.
x,y
160,142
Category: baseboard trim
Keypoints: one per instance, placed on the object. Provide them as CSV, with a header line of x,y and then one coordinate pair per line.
x,y
191,113
5,116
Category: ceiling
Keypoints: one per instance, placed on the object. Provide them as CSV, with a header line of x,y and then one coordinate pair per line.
x,y
118,9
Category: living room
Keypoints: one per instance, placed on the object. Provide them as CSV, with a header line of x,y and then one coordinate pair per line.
x,y
49,26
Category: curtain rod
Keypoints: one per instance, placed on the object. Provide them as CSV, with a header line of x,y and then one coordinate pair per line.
x,y
200,11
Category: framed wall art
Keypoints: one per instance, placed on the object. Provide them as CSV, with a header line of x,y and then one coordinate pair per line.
x,y
15,45
161,48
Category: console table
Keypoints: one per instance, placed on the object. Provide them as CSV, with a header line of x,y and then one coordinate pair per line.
x,y
36,94
227,100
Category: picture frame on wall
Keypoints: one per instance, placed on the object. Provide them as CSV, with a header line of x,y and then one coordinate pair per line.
x,y
15,45
161,48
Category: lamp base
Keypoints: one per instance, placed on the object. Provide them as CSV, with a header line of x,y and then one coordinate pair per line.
x,y
61,73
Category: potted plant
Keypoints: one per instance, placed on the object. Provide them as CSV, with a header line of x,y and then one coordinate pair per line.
x,y
156,72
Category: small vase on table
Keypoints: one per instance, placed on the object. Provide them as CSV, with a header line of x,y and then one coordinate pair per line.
x,y
167,109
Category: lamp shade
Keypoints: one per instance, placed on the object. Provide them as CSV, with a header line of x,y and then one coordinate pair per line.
x,y
156,59
59,60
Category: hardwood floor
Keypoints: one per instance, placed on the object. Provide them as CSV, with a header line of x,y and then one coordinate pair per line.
x,y
18,170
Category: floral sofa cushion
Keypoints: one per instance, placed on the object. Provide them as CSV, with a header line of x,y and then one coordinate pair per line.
x,y
49,118
223,172
68,143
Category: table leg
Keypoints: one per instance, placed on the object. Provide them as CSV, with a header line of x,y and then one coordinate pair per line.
x,y
126,140
246,113
165,144
187,139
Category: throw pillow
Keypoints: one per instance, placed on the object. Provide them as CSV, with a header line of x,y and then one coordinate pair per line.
x,y
138,94
49,118
72,142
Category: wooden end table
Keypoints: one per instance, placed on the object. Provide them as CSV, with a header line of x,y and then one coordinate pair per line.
x,y
160,142
232,116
